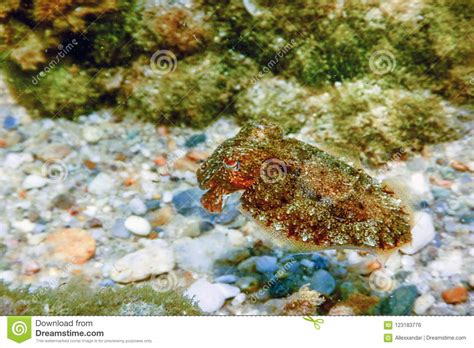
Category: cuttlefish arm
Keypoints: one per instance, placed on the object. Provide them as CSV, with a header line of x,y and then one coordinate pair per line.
x,y
213,199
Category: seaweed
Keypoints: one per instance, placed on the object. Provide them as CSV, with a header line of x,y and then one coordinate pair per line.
x,y
77,298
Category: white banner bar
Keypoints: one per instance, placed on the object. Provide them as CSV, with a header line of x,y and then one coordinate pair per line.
x,y
237,331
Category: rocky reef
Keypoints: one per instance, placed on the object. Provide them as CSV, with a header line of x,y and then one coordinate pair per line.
x,y
191,63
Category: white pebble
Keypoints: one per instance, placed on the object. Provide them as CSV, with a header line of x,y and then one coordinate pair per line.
x,y
419,184
137,225
3,230
422,233
154,259
7,276
25,226
34,181
423,303
471,280
14,160
92,134
239,299
210,297
167,197
137,206
448,264
102,184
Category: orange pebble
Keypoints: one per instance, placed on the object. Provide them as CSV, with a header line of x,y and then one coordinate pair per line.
x,y
160,160
129,181
455,295
3,143
22,194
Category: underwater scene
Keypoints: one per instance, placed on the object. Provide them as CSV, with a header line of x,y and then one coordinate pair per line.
x,y
236,157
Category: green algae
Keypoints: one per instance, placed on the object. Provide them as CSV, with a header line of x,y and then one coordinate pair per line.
x,y
379,121
275,100
198,90
76,298
257,60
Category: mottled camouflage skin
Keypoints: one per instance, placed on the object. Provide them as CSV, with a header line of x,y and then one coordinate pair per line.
x,y
302,194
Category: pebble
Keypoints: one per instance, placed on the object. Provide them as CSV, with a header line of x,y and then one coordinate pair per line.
x,y
154,259
419,184
7,276
152,204
25,226
162,216
53,152
455,295
266,264
199,254
422,233
92,134
119,230
227,278
30,268
341,310
3,230
248,283
137,225
137,206
471,280
33,181
323,282
195,140
63,201
210,297
71,245
448,264
10,123
423,303
15,160
101,185
401,301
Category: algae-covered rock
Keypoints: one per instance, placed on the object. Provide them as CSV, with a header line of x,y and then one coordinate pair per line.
x,y
276,100
378,121
64,90
193,91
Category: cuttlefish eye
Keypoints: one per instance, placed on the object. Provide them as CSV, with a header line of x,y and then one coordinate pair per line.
x,y
231,164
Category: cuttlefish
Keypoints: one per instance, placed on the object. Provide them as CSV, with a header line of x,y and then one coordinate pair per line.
x,y
303,195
